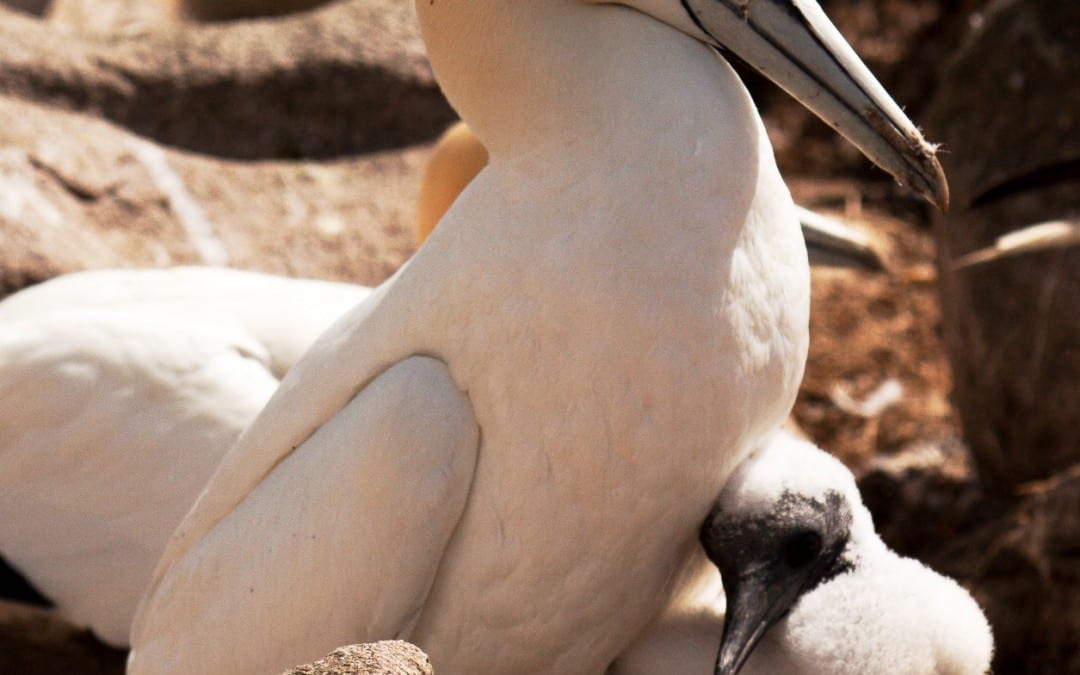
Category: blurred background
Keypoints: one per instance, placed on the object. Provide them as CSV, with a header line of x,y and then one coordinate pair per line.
x,y
289,136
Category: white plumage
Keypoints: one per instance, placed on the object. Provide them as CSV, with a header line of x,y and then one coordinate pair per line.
x,y
503,454
124,390
120,391
882,615
458,156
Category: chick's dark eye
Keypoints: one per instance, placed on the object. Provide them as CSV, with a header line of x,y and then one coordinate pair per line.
x,y
801,548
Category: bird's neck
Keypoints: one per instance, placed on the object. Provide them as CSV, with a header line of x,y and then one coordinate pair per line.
x,y
583,81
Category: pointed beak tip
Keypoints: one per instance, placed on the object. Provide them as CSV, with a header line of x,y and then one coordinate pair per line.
x,y
929,178
726,667
732,656
940,186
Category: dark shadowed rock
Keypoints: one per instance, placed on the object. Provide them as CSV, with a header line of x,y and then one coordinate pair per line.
x,y
1020,558
920,504
389,657
117,16
33,642
228,10
35,7
1008,112
1024,569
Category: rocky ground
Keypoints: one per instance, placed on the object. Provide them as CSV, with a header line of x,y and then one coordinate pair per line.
x,y
293,146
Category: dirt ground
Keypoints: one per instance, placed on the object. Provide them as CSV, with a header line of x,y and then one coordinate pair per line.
x,y
870,331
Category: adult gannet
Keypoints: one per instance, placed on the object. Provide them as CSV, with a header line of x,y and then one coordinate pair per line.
x,y
504,453
459,155
811,584
202,313
120,390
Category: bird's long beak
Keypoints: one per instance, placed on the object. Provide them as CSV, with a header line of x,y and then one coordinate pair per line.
x,y
794,44
755,603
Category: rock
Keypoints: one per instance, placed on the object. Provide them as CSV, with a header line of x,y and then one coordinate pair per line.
x,y
77,192
1024,569
107,16
389,657
1008,112
869,332
34,642
35,7
925,497
1020,558
350,77
226,10
1002,106
111,16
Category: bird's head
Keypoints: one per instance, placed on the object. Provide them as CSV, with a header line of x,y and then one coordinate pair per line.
x,y
486,53
805,573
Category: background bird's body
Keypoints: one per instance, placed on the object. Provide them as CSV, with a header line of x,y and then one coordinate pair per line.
x,y
284,314
622,338
120,391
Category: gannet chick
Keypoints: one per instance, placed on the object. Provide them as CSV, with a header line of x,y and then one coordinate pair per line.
x,y
812,588
797,551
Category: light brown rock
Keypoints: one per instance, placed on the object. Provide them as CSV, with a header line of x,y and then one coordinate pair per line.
x,y
34,642
77,192
106,16
389,657
111,16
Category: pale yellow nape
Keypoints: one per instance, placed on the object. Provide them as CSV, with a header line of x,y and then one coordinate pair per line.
x,y
455,161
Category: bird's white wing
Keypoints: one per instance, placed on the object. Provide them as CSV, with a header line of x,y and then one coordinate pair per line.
x,y
686,636
111,422
285,315
339,543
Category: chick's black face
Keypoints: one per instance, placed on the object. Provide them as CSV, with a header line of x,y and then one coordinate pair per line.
x,y
800,532
769,560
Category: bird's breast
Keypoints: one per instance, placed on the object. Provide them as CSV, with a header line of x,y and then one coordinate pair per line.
x,y
613,399
624,334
